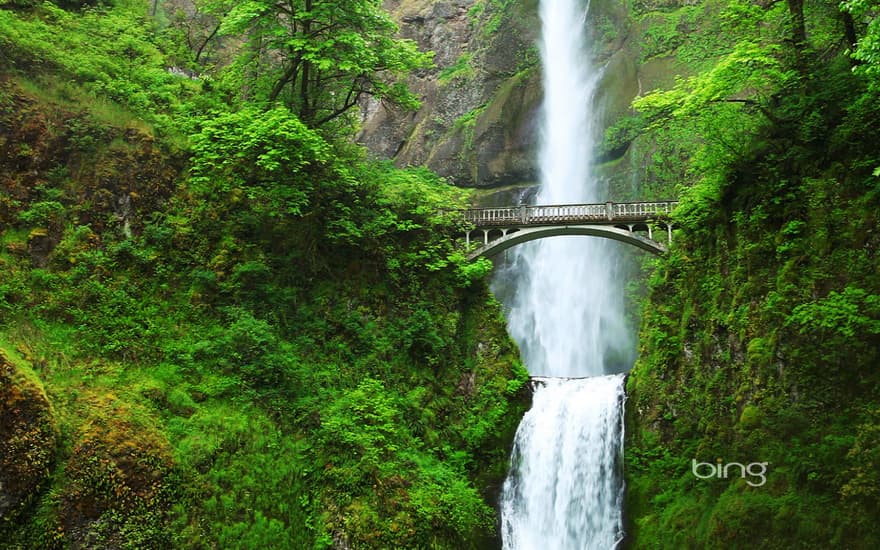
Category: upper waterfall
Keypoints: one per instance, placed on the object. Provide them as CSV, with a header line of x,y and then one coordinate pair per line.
x,y
567,313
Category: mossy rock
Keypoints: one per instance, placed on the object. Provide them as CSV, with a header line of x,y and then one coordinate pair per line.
x,y
116,491
28,437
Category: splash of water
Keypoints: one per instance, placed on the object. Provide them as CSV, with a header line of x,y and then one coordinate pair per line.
x,y
564,490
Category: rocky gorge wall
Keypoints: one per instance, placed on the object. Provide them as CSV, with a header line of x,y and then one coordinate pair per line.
x,y
477,124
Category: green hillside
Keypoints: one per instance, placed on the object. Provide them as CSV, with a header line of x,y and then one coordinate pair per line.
x,y
220,325
761,335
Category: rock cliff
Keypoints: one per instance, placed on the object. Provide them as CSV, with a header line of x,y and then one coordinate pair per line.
x,y
478,122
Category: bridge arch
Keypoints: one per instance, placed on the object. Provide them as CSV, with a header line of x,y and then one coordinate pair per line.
x,y
525,234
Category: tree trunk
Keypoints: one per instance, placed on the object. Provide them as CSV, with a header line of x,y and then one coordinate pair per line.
x,y
305,113
798,23
798,34
849,32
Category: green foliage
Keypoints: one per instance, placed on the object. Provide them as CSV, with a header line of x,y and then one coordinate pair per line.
x,y
43,214
664,32
320,57
848,314
757,345
248,348
269,159
363,424
280,345
751,69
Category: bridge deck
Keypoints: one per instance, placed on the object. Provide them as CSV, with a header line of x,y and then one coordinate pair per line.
x,y
567,214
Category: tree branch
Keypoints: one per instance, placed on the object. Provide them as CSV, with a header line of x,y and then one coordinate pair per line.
x,y
208,39
284,79
354,95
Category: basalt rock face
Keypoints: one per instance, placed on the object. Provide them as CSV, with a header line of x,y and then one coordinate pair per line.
x,y
479,105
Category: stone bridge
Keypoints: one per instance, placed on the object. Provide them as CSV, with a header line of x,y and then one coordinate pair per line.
x,y
635,223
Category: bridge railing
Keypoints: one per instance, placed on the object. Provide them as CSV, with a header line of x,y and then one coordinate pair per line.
x,y
494,216
566,213
571,213
641,210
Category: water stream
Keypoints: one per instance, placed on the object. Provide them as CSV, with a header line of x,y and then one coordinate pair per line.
x,y
566,312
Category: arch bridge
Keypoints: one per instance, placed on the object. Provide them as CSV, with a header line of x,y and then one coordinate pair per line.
x,y
636,223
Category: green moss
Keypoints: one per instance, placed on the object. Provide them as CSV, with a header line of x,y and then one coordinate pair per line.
x,y
462,70
28,439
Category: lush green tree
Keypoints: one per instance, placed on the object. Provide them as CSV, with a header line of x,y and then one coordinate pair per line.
x,y
266,158
321,57
867,47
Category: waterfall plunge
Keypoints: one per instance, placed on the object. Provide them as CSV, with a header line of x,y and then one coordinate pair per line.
x,y
564,490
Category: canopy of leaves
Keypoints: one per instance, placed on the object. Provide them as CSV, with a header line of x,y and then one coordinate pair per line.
x,y
268,158
320,57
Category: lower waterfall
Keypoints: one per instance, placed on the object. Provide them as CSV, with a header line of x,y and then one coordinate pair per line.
x,y
565,489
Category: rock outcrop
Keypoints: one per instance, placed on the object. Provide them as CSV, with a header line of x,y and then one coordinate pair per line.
x,y
116,491
28,437
477,121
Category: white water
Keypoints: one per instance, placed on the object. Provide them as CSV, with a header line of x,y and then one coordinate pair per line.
x,y
564,490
